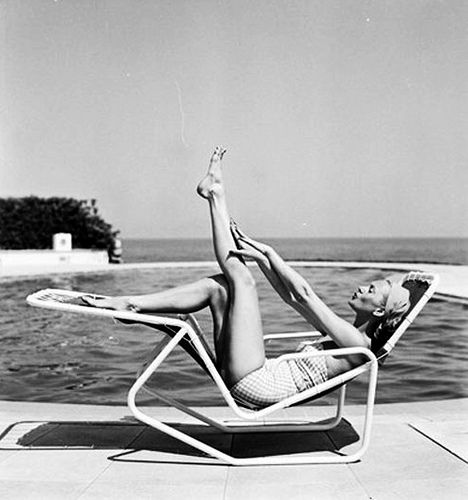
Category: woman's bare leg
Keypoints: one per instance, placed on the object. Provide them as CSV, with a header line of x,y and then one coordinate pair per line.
x,y
242,334
209,292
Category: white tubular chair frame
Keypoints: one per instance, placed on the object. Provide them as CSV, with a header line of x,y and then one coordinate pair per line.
x,y
250,419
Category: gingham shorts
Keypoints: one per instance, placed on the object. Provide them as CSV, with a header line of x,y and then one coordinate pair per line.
x,y
275,381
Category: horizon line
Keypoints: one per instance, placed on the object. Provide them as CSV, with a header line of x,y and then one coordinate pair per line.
x,y
304,238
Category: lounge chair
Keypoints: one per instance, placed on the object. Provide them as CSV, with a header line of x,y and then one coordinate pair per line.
x,y
185,332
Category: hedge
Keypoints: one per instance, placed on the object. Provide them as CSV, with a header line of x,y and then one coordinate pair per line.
x,y
30,222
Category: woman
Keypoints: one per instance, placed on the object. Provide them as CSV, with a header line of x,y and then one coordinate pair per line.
x,y
233,302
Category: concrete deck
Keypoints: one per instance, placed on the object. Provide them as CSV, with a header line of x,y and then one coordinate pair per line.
x,y
453,284
54,451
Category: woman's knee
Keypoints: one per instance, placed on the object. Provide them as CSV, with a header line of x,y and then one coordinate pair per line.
x,y
219,290
221,285
243,277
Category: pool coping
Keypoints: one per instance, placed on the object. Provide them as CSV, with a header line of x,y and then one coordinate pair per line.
x,y
453,284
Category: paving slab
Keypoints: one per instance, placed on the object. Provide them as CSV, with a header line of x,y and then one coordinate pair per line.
x,y
431,487
325,482
416,451
450,435
5,454
54,465
165,481
416,460
27,411
44,490
437,410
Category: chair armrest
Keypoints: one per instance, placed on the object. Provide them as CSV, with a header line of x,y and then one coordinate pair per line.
x,y
292,335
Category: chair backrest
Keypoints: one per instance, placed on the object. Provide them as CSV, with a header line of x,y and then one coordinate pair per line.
x,y
421,287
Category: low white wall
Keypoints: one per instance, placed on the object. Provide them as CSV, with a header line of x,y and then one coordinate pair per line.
x,y
35,258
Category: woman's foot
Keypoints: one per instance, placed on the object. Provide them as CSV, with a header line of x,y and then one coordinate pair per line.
x,y
115,303
212,181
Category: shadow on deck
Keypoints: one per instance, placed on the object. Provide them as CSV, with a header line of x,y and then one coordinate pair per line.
x,y
133,437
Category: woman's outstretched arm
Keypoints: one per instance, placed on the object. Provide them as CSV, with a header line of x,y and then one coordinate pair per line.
x,y
312,308
297,292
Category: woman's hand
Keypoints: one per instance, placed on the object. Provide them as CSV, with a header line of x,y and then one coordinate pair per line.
x,y
248,247
250,254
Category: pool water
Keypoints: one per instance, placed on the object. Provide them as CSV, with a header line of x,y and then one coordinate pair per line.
x,y
58,357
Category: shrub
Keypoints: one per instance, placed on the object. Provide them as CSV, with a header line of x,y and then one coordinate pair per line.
x,y
30,222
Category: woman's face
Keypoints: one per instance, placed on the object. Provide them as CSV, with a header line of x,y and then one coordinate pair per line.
x,y
371,297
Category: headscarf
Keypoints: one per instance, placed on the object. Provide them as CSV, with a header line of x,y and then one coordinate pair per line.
x,y
396,305
398,298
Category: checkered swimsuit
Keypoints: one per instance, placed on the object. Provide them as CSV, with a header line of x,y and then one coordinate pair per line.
x,y
276,381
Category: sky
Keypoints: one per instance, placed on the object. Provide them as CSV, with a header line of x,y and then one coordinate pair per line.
x,y
341,118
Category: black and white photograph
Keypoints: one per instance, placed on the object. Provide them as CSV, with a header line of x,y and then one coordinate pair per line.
x,y
233,249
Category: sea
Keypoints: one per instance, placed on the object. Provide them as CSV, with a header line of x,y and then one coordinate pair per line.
x,y
63,358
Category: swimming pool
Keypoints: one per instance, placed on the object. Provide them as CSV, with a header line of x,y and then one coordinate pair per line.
x,y
55,357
